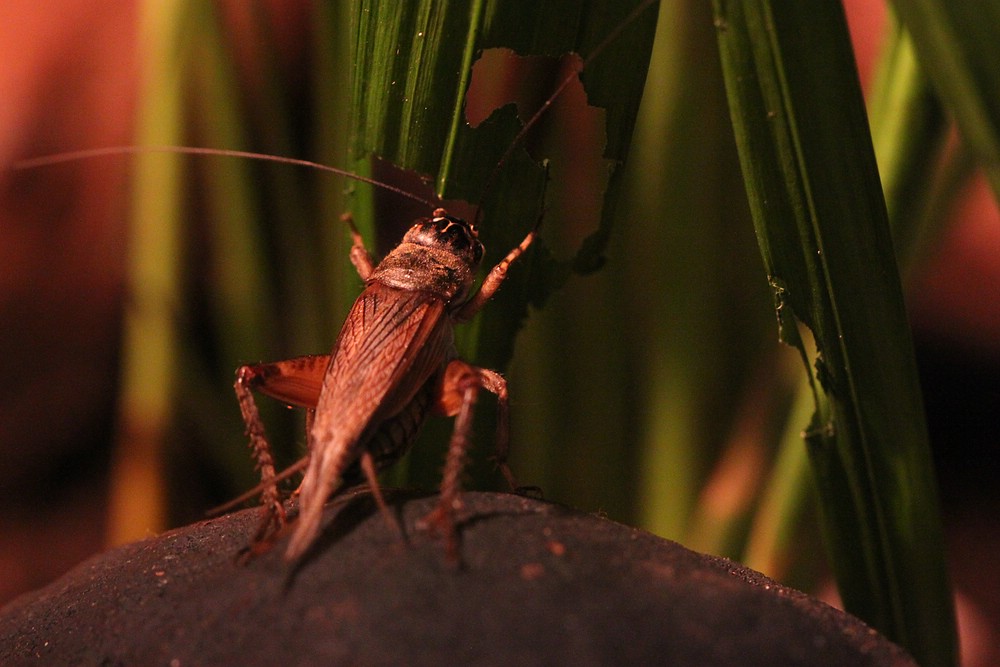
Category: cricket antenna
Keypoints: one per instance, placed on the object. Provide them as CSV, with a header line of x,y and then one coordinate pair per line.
x,y
491,180
542,110
70,156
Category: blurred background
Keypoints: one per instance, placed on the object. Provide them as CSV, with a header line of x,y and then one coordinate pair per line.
x,y
653,391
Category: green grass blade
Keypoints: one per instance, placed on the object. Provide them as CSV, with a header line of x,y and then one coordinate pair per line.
x,y
910,133
908,127
821,223
331,72
920,176
957,46
777,524
685,255
241,299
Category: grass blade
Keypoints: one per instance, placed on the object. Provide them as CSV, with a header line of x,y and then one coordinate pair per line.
x,y
150,347
410,111
957,47
821,223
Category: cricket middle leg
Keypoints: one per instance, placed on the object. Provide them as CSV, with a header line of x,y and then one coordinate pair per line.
x,y
459,389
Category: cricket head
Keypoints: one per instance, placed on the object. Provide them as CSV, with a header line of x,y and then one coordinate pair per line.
x,y
445,232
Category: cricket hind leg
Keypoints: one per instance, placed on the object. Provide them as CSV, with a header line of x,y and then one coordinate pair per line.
x,y
273,510
294,381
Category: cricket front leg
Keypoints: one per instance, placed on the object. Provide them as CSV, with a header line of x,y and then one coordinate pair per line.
x,y
360,257
494,279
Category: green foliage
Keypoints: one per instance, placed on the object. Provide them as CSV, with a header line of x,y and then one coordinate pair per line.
x,y
411,112
646,388
957,48
822,226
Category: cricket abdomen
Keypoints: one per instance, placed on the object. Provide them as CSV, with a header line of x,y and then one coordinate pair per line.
x,y
396,435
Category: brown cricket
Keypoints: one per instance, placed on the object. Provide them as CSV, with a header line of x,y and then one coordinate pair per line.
x,y
392,364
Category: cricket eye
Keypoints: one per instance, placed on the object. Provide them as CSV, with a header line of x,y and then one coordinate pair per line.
x,y
477,247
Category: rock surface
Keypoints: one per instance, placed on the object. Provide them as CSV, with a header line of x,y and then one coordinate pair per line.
x,y
540,584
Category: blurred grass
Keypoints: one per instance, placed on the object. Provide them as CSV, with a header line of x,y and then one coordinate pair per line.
x,y
651,390
957,48
150,348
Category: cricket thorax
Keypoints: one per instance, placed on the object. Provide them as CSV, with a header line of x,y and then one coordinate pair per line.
x,y
438,254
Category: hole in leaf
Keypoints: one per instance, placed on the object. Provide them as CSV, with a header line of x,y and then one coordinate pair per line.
x,y
571,135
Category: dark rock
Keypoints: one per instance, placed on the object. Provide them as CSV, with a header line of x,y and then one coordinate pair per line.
x,y
539,584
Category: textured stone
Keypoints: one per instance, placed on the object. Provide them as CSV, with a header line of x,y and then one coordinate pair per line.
x,y
539,584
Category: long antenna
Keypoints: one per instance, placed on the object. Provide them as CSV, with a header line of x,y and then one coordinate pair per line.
x,y
70,156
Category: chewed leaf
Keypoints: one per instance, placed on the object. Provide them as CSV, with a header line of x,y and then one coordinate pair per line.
x,y
413,69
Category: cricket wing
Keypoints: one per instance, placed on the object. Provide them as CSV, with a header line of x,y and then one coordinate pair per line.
x,y
294,381
391,344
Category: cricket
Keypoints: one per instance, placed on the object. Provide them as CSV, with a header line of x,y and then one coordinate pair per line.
x,y
393,364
